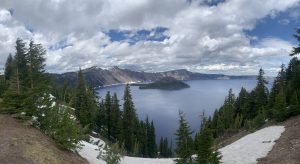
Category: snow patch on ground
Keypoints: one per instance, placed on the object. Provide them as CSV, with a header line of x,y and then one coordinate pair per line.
x,y
90,151
251,147
244,151
135,160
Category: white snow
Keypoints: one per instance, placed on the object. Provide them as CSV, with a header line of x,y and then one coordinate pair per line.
x,y
90,152
251,147
244,151
135,160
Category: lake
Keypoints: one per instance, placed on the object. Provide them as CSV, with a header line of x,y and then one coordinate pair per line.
x,y
162,106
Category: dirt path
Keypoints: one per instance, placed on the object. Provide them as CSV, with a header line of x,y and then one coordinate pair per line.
x,y
287,147
21,144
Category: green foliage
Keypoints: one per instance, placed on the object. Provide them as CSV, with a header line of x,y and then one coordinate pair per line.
x,y
116,118
58,122
259,119
84,102
184,142
260,92
296,50
3,86
112,154
8,67
165,150
238,121
130,120
124,127
205,152
205,143
279,111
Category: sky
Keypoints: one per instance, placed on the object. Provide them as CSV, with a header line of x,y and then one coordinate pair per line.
x,y
234,37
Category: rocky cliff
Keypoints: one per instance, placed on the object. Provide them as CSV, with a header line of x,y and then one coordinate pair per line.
x,y
96,76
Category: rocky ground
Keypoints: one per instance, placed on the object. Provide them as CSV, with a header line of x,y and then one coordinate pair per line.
x,y
23,144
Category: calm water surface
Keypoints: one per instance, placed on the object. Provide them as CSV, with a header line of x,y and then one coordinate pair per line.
x,y
162,106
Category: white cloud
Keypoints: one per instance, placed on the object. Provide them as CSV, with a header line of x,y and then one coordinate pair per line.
x,y
201,37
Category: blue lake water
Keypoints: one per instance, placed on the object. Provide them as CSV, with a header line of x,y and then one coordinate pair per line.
x,y
162,106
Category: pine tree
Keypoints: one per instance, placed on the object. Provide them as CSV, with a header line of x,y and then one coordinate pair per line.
x,y
129,120
8,67
296,50
279,83
3,85
143,138
279,110
204,142
84,102
21,70
294,108
116,118
35,59
37,81
260,92
108,115
226,114
152,149
242,106
100,119
184,141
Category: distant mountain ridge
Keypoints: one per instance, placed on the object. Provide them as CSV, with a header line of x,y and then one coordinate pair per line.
x,y
96,76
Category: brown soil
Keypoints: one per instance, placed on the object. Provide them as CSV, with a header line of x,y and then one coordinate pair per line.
x,y
23,144
287,147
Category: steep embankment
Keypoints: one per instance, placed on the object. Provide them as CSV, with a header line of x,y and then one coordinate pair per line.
x,y
24,144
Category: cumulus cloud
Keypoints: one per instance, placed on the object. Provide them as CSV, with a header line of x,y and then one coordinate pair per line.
x,y
202,36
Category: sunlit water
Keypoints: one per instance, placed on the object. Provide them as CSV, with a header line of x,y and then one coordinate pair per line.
x,y
162,106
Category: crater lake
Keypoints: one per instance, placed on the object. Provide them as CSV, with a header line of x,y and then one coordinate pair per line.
x,y
162,106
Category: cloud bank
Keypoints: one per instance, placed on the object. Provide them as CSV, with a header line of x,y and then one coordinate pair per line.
x,y
198,35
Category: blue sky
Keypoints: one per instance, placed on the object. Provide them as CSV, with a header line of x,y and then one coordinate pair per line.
x,y
282,26
208,36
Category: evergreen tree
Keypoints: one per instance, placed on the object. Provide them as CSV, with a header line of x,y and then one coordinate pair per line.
x,y
21,70
259,119
84,102
35,59
129,120
226,114
143,138
116,118
37,81
296,50
164,149
260,92
99,120
204,142
184,141
279,110
152,149
242,106
3,86
108,115
8,67
294,108
279,83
